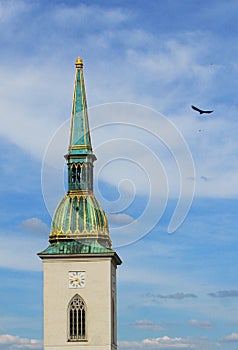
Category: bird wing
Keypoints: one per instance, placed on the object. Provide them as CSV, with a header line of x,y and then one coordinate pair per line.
x,y
207,112
197,109
201,111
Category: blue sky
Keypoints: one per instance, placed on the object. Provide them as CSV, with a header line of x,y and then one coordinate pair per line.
x,y
175,291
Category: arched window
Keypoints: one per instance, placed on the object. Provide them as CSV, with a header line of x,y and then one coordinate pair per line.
x,y
79,173
73,173
77,319
84,173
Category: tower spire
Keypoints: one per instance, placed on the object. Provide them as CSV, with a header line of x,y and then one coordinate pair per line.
x,y
80,140
80,155
79,216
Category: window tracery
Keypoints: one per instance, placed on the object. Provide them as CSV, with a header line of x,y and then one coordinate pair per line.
x,y
77,319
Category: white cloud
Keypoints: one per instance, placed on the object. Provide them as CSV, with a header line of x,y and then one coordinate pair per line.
x,y
11,9
172,58
35,226
165,63
233,337
145,324
164,342
81,14
177,343
119,219
23,124
203,324
16,342
130,65
175,296
21,254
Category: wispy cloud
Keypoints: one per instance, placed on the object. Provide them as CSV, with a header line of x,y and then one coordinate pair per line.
x,y
159,60
200,324
16,342
119,219
164,64
164,342
81,14
35,226
21,254
224,294
11,9
233,337
176,296
145,324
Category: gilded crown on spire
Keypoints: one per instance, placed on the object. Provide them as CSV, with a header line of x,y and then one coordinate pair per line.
x,y
79,62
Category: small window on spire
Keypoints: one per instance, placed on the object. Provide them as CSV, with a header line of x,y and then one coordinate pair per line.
x,y
83,173
73,173
78,172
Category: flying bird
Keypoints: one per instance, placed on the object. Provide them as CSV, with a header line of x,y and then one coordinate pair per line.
x,y
201,111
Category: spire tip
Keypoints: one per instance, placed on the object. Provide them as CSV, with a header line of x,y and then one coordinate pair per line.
x,y
79,62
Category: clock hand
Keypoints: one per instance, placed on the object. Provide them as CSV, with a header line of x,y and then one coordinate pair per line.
x,y
77,280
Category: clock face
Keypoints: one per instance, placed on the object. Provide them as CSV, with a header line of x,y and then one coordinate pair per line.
x,y
76,279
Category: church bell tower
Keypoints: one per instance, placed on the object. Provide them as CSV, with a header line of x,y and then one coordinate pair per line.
x,y
79,264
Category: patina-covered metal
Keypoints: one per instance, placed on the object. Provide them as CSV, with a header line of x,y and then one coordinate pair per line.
x,y
80,140
76,247
79,215
79,223
80,155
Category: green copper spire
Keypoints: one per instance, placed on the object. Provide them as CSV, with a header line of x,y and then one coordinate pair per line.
x,y
80,156
80,141
79,217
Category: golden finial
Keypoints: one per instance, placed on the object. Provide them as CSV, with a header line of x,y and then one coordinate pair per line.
x,y
79,62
